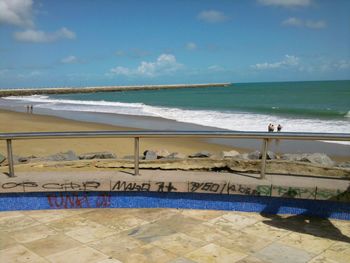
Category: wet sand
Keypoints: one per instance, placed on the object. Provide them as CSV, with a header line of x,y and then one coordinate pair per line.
x,y
22,122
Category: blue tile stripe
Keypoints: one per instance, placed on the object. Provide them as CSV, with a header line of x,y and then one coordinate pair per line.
x,y
268,205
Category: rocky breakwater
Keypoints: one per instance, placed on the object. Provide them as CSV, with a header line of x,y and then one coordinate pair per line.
x,y
68,90
315,164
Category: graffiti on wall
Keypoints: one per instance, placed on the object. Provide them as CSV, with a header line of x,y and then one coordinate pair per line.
x,y
57,197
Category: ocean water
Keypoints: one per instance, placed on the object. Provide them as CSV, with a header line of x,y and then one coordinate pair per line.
x,y
317,106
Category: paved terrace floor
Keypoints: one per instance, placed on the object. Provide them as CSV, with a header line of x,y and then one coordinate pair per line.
x,y
169,235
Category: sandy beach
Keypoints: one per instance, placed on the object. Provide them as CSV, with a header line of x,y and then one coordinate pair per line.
x,y
22,122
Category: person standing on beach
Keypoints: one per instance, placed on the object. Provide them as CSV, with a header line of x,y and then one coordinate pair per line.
x,y
31,109
279,127
270,128
27,106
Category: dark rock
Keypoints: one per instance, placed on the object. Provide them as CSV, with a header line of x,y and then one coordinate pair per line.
x,y
258,155
97,155
202,154
254,155
270,155
162,154
63,156
2,158
23,160
150,155
316,158
157,154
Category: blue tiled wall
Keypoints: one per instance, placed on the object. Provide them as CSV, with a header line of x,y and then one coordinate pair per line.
x,y
268,205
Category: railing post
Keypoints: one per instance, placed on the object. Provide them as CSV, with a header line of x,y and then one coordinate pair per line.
x,y
263,158
136,156
10,158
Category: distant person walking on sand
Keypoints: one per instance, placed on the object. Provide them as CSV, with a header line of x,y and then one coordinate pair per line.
x,y
31,109
279,127
27,106
270,128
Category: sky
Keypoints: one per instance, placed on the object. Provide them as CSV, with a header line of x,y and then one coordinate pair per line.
x,y
47,43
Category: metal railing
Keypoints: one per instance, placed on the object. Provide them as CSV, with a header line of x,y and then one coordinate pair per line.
x,y
137,135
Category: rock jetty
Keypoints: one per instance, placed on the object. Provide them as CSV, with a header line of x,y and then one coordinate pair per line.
x,y
68,90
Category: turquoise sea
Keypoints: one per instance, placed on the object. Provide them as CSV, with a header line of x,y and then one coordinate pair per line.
x,y
312,106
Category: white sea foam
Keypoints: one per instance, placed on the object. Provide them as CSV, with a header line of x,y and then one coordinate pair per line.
x,y
242,121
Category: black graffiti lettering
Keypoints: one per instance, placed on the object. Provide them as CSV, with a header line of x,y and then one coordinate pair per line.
x,y
71,186
124,186
119,185
195,186
244,190
91,185
23,185
145,187
163,187
210,187
9,185
264,190
231,188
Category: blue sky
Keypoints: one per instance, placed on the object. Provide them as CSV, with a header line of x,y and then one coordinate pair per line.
x,y
87,43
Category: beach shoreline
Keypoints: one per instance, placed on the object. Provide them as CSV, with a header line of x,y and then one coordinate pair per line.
x,y
12,121
111,121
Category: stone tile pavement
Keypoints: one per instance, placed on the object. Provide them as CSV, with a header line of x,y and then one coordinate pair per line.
x,y
169,235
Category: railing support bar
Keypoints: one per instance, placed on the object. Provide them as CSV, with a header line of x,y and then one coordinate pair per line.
x,y
10,158
136,155
263,158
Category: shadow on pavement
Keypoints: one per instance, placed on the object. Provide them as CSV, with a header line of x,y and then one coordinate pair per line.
x,y
302,223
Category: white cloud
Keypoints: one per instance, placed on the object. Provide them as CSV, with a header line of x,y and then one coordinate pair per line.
x,y
165,64
121,71
212,16
17,12
343,64
69,60
315,24
288,61
297,22
293,21
286,3
191,46
38,36
20,13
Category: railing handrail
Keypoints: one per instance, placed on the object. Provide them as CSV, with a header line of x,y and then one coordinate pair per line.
x,y
174,134
265,136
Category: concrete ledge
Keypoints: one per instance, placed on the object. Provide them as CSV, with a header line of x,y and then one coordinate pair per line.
x,y
310,188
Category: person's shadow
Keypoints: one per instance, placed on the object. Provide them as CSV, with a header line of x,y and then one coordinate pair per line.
x,y
303,223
